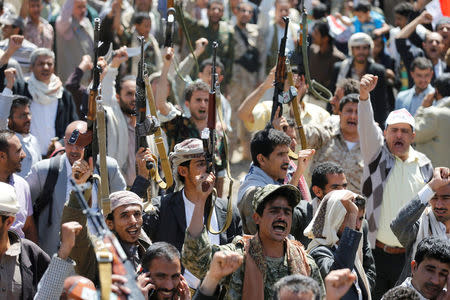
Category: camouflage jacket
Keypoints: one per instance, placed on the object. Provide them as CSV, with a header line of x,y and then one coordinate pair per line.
x,y
198,252
330,145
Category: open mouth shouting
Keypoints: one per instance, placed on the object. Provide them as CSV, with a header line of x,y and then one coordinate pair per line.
x,y
133,232
279,227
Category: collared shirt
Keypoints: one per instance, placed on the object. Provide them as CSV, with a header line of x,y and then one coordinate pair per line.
x,y
255,177
11,278
43,122
403,184
407,283
41,34
213,238
331,146
24,198
410,100
31,148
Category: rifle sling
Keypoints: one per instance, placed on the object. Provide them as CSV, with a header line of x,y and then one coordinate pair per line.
x,y
46,197
227,175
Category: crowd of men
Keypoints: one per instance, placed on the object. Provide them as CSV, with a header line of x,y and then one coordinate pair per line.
x,y
361,211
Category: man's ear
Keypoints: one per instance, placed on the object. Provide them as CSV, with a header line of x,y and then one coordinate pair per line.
x,y
413,266
256,218
118,97
183,171
317,191
260,158
110,224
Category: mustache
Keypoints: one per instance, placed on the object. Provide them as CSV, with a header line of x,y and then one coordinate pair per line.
x,y
285,165
280,221
430,285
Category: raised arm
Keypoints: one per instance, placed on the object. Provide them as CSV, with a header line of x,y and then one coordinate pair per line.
x,y
162,87
64,20
424,18
245,111
370,135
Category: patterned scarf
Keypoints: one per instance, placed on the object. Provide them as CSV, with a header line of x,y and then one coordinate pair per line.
x,y
256,266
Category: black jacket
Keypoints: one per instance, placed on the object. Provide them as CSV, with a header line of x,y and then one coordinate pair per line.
x,y
65,113
378,96
301,217
167,223
33,264
334,258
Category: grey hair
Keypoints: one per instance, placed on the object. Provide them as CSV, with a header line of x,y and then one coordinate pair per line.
x,y
41,52
297,284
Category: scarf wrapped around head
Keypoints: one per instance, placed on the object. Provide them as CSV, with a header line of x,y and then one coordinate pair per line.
x,y
323,228
45,93
325,225
182,152
428,226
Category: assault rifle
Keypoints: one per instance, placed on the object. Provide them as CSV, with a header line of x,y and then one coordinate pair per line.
x,y
280,75
107,248
209,133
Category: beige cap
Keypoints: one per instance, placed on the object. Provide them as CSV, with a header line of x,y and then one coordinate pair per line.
x,y
8,200
124,198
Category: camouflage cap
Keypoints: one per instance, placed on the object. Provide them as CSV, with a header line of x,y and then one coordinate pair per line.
x,y
291,193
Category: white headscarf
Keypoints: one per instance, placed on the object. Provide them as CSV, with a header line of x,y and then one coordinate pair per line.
x,y
323,229
182,152
45,93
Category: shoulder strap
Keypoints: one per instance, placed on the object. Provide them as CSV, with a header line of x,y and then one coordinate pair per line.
x,y
244,37
46,197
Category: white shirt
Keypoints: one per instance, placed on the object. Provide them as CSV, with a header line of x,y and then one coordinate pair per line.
x,y
43,123
213,238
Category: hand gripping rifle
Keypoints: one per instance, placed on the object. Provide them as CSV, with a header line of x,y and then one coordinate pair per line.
x,y
88,140
208,136
108,250
168,40
279,96
315,88
146,126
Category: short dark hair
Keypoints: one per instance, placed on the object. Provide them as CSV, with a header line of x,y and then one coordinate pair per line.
x,y
211,2
360,202
405,9
18,101
209,62
319,11
319,174
129,77
324,30
401,293
349,85
442,84
421,63
159,250
297,284
363,6
350,98
433,247
265,141
139,17
197,85
5,135
183,164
